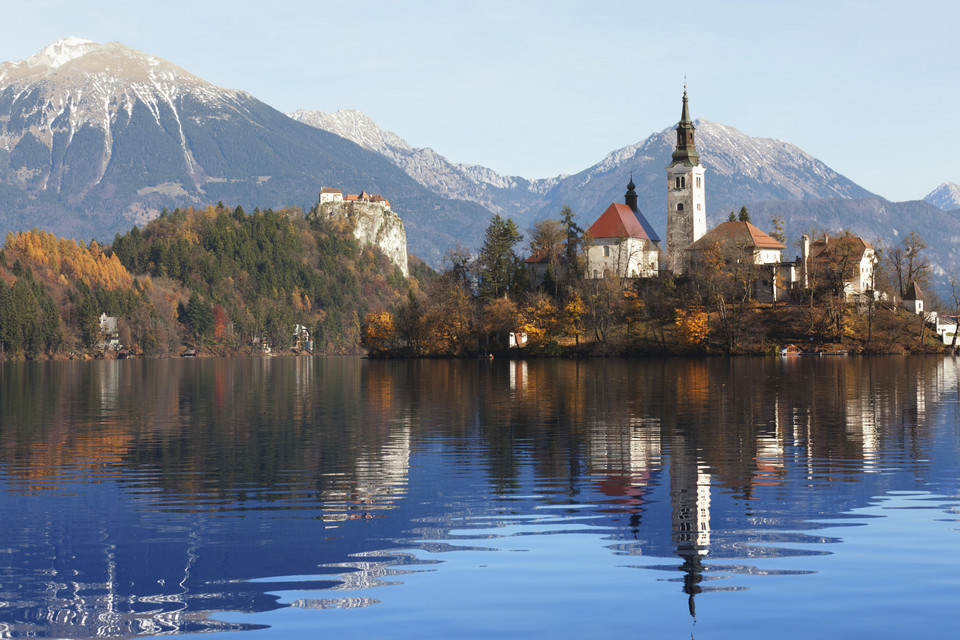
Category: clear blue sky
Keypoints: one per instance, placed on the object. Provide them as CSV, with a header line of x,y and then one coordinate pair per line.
x,y
542,88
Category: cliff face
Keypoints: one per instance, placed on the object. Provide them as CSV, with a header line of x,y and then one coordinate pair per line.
x,y
373,224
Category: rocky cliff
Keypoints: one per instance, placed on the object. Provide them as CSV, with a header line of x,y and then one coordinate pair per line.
x,y
373,224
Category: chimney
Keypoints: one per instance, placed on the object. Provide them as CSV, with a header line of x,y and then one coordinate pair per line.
x,y
805,252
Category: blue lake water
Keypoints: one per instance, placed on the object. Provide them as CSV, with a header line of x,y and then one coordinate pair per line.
x,y
346,498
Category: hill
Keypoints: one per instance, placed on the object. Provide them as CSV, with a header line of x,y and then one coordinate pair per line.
x,y
97,137
215,279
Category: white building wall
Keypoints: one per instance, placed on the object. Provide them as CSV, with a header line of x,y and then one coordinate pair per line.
x,y
634,258
686,226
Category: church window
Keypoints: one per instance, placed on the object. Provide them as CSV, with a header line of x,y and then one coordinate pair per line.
x,y
606,252
679,206
677,183
683,183
698,182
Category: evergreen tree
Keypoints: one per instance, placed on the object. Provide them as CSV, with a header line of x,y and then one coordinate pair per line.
x,y
743,216
498,262
573,245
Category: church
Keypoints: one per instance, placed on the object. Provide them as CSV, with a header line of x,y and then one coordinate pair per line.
x,y
622,241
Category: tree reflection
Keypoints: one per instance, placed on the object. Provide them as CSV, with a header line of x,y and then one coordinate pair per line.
x,y
254,464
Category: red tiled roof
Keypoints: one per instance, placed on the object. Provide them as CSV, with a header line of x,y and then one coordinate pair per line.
x,y
537,257
616,222
736,231
828,248
330,190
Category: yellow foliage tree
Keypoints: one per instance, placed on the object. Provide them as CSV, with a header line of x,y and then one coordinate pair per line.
x,y
571,318
539,320
692,327
378,334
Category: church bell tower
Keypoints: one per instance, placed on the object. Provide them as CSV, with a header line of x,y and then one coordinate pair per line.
x,y
686,202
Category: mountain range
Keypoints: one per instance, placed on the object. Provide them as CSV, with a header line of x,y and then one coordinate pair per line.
x,y
97,137
770,177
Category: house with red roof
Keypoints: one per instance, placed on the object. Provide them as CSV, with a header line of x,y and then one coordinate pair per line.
x,y
622,243
740,243
848,257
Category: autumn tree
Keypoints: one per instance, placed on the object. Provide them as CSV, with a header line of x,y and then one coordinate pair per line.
x,y
219,321
539,320
692,327
572,316
378,334
547,245
500,318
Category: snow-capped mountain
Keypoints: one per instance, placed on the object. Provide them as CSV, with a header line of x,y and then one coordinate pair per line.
x,y
97,137
771,177
73,105
946,196
507,195
740,169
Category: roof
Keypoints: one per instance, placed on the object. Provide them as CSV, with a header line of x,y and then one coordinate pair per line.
x,y
737,231
913,292
619,221
538,257
329,190
827,248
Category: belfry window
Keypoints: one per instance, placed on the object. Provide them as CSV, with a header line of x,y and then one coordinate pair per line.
x,y
676,183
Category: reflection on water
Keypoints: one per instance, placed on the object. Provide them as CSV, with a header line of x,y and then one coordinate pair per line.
x,y
149,497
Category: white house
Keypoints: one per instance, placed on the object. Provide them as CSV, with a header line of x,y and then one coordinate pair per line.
x,y
853,255
330,194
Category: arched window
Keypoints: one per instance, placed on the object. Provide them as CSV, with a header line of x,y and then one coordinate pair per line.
x,y
679,206
683,183
676,183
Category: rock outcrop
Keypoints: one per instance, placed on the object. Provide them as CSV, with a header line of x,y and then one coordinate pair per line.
x,y
373,224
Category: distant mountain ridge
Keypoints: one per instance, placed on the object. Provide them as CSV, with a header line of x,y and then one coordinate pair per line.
x,y
507,195
740,168
97,137
770,177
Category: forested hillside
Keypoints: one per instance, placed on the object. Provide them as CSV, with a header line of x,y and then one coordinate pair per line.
x,y
217,279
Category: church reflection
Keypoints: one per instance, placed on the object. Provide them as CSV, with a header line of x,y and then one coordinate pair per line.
x,y
272,465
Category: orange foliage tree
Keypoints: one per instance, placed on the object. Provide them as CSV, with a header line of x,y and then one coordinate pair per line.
x,y
539,320
692,327
378,334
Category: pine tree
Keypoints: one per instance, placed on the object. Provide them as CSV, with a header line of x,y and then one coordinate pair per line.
x,y
498,261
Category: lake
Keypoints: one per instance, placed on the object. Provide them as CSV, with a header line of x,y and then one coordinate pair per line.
x,y
347,498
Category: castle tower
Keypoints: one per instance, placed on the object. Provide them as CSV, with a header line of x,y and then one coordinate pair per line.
x,y
686,202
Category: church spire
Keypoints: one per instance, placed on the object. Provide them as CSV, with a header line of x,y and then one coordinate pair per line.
x,y
686,151
630,197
